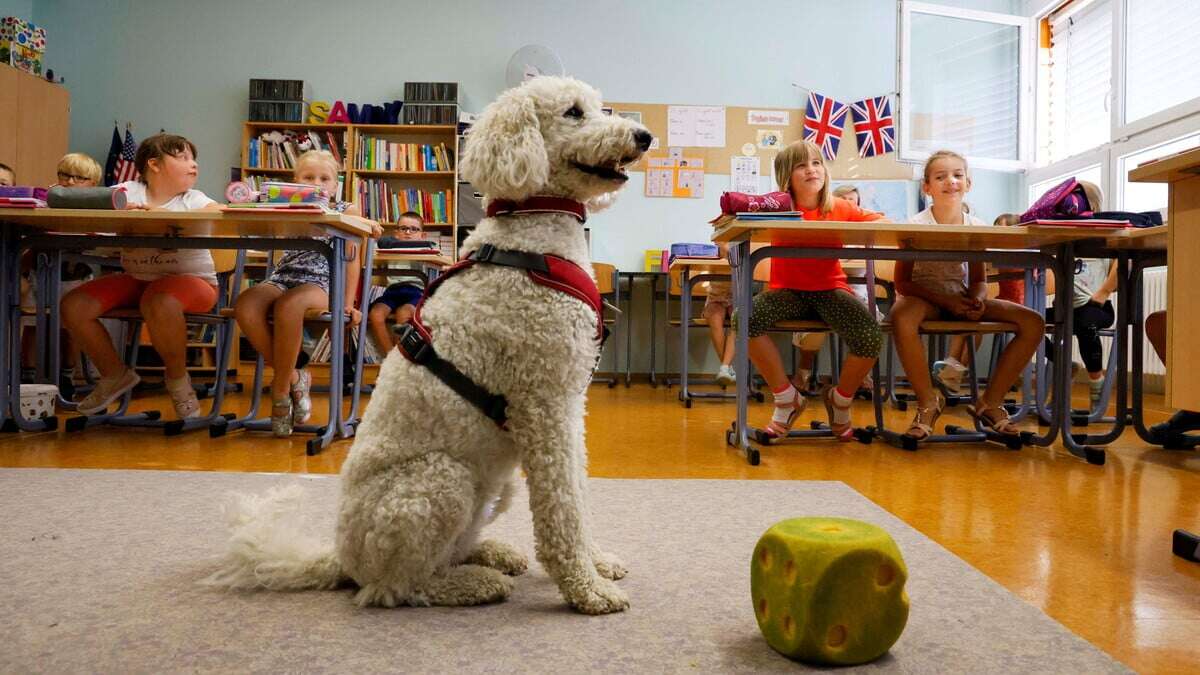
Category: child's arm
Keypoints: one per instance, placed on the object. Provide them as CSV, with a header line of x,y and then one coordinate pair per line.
x,y
955,304
1108,287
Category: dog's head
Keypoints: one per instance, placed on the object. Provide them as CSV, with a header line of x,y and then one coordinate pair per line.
x,y
550,137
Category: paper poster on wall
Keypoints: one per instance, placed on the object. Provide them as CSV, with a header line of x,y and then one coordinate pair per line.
x,y
667,177
633,115
897,199
696,126
768,118
743,174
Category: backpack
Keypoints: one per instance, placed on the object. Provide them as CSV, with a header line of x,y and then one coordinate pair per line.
x,y
1068,199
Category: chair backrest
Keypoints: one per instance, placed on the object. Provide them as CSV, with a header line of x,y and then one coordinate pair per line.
x,y
604,273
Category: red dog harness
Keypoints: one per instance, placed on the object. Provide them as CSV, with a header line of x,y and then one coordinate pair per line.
x,y
560,274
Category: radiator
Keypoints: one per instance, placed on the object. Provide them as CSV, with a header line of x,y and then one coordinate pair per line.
x,y
1154,298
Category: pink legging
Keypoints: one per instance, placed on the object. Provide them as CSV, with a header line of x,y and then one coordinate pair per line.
x,y
123,290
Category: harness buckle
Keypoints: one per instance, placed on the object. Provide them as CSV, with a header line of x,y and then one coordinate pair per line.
x,y
414,346
485,253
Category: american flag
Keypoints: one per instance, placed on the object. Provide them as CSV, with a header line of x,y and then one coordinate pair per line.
x,y
824,119
874,127
126,170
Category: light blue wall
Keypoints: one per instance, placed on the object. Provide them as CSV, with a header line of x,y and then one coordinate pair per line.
x,y
184,65
18,8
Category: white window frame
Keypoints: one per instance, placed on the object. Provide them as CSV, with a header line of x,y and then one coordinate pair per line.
x,y
1127,138
1025,50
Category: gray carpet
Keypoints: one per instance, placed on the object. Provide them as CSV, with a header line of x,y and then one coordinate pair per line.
x,y
99,572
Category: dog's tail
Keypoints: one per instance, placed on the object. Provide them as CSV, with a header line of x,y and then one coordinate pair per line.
x,y
270,548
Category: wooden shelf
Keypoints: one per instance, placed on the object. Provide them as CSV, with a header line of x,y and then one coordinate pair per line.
x,y
383,173
298,125
407,128
252,169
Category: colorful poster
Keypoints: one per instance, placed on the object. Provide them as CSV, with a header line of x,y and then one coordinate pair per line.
x,y
669,177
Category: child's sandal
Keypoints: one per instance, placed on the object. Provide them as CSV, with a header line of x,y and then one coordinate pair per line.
x,y
281,417
842,432
779,429
925,418
997,422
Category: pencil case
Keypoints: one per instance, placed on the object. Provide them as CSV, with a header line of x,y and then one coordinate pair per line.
x,y
102,198
686,250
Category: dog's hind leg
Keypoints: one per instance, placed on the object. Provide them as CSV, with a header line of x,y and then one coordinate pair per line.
x,y
398,531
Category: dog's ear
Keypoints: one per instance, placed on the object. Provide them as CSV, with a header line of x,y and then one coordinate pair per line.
x,y
505,157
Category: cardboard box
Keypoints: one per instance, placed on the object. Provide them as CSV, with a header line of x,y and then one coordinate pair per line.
x,y
22,44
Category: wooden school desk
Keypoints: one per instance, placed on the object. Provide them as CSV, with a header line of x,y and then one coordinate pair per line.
x,y
54,230
691,272
1181,173
1051,247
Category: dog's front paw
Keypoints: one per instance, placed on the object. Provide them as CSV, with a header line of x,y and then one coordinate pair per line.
x,y
608,565
499,556
600,596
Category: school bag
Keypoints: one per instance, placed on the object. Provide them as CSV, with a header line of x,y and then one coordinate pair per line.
x,y
1068,199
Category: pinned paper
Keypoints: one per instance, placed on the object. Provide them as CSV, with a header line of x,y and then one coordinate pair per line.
x,y
743,174
768,118
770,139
696,126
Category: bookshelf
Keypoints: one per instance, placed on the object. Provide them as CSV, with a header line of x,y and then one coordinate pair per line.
x,y
406,175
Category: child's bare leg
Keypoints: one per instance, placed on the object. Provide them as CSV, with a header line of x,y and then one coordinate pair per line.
x,y
1156,331
377,318
251,314
714,315
289,329
80,316
1030,329
906,317
854,370
404,313
766,359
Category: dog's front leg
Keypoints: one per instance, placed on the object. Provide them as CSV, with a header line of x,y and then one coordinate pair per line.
x,y
553,456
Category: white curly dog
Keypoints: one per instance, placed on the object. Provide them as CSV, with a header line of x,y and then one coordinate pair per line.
x,y
428,470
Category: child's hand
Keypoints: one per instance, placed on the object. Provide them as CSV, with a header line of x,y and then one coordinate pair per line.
x,y
974,311
136,207
355,316
376,230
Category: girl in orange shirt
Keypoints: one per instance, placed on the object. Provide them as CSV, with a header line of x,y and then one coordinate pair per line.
x,y
807,289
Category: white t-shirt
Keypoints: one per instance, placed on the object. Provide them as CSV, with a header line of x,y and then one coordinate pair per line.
x,y
943,275
148,264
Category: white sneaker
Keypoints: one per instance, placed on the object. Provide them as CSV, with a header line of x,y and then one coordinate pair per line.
x,y
106,391
185,402
726,377
1095,390
949,375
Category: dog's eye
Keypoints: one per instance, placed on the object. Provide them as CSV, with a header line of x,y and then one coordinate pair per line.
x,y
574,112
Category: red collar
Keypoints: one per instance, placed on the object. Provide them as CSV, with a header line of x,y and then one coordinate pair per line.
x,y
505,207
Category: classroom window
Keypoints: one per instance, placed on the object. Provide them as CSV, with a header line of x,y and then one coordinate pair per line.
x,y
1074,79
961,78
1150,196
1162,56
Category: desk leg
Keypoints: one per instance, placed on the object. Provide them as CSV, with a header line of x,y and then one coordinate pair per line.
x,y
337,345
1116,361
629,332
7,278
1062,365
653,326
685,316
739,261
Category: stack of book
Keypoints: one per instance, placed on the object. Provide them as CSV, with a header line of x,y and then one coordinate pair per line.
x,y
276,101
379,201
430,103
378,154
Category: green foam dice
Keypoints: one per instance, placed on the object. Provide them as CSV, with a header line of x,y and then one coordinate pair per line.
x,y
829,590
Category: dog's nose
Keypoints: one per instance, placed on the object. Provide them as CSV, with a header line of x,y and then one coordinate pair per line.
x,y
642,138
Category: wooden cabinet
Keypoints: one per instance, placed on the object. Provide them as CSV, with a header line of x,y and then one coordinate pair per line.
x,y
1181,173
35,127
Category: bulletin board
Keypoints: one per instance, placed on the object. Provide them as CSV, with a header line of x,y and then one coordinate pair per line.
x,y
740,136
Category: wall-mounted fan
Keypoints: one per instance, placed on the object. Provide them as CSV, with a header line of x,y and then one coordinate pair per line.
x,y
529,62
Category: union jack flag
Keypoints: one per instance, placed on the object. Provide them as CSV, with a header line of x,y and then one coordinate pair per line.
x,y
874,127
126,169
824,119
